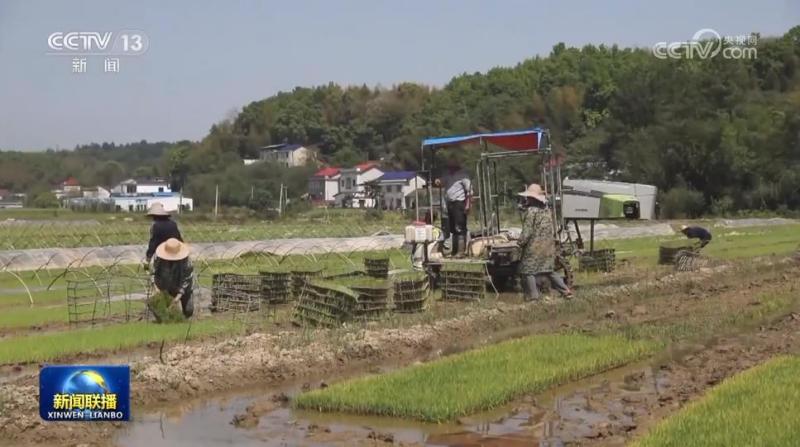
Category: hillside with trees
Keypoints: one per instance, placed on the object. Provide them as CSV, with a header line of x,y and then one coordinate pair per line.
x,y
715,135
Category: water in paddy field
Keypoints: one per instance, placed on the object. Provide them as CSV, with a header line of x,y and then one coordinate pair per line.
x,y
575,412
562,415
209,424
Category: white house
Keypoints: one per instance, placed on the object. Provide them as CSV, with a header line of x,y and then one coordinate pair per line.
x,y
96,192
324,185
141,186
137,195
289,155
352,191
68,188
142,202
397,189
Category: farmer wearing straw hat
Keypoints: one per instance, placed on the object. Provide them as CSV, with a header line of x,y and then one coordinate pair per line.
x,y
163,228
172,273
537,245
699,233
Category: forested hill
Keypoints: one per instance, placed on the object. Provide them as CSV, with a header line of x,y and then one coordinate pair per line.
x,y
92,164
717,134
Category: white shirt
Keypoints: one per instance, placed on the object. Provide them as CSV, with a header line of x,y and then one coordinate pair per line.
x,y
457,186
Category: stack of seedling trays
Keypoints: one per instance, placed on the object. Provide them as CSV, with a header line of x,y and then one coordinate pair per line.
x,y
604,260
300,277
410,292
343,273
325,304
216,289
669,250
463,281
377,266
237,293
689,261
275,286
373,297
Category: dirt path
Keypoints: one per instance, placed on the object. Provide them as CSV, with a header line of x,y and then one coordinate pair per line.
x,y
274,358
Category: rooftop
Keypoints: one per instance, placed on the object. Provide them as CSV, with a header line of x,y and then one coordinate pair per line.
x,y
366,165
71,181
283,147
149,194
146,181
397,175
327,172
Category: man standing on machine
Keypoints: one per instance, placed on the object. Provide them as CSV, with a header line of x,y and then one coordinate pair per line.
x,y
458,194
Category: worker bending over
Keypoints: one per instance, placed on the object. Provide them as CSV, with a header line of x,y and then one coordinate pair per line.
x,y
700,233
537,245
173,274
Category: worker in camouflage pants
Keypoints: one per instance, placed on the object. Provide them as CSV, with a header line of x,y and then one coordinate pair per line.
x,y
538,248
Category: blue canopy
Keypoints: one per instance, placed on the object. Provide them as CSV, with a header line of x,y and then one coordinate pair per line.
x,y
520,140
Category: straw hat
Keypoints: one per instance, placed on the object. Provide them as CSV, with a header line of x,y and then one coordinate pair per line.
x,y
172,250
157,209
534,191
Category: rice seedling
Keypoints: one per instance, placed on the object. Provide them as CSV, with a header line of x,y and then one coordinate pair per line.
x,y
364,282
478,380
163,310
24,317
756,407
55,345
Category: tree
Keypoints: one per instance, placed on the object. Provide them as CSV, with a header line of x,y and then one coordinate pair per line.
x,y
725,130
178,166
45,199
147,171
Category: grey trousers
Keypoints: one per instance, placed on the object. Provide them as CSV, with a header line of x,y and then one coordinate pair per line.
x,y
531,290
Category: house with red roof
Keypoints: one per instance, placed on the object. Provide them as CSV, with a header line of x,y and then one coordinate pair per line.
x,y
324,185
352,185
70,187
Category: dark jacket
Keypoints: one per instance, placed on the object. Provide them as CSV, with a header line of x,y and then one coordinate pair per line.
x,y
697,233
173,277
159,233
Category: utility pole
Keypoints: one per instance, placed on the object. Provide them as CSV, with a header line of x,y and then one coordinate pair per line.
x,y
216,202
280,201
252,189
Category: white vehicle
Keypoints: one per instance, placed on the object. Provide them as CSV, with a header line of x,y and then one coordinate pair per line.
x,y
582,199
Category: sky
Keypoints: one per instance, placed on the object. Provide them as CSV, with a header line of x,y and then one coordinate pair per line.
x,y
207,59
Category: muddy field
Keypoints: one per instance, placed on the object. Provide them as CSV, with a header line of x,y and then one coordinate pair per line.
x,y
694,310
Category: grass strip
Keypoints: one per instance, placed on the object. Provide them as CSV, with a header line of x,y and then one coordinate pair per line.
x,y
757,407
728,243
478,380
55,345
22,317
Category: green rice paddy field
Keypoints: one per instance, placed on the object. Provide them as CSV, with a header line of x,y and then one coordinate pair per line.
x,y
758,407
